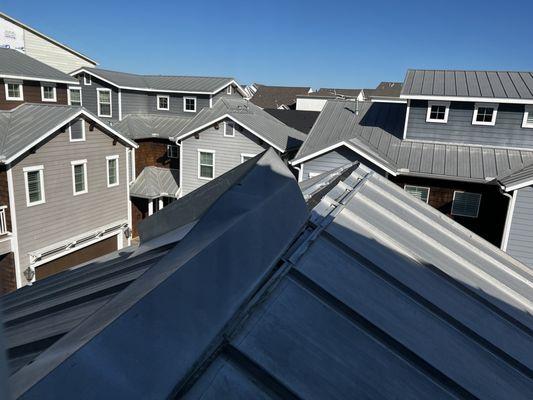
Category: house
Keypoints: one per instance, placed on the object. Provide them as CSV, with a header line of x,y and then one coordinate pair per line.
x,y
282,97
300,120
387,91
458,131
238,291
19,36
64,190
315,101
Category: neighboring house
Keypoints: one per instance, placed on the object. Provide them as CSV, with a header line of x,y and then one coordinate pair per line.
x,y
315,101
372,294
26,80
388,91
64,190
300,120
16,35
458,132
282,97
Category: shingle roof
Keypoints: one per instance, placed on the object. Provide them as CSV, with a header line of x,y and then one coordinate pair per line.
x,y
476,84
154,182
194,84
146,126
375,295
385,89
251,117
16,65
300,120
377,132
276,96
333,92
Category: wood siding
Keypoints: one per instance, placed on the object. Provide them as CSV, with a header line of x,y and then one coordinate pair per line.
x,y
520,243
7,273
228,152
89,97
32,94
153,153
507,131
64,215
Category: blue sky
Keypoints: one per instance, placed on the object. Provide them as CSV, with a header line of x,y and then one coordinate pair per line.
x,y
301,43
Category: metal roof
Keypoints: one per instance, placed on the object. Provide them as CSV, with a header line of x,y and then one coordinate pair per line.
x,y
249,116
146,126
155,182
476,84
373,295
17,65
517,178
377,131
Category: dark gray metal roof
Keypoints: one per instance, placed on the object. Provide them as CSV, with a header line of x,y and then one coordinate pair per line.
x,y
477,84
16,65
517,178
376,133
146,126
155,182
251,117
196,84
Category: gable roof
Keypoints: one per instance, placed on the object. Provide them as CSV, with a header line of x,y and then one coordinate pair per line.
x,y
385,89
501,86
248,115
275,96
517,178
146,126
17,65
333,93
155,182
371,290
161,83
28,124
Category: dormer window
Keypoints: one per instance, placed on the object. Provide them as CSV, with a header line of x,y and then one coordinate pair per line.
x,y
438,112
485,114
14,90
48,92
163,103
528,117
87,79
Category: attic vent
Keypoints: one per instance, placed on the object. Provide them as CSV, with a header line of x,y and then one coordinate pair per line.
x,y
466,204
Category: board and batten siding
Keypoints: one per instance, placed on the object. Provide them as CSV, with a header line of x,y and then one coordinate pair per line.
x,y
138,102
89,98
507,131
228,152
64,215
520,242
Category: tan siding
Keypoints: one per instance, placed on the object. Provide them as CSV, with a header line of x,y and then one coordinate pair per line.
x,y
64,215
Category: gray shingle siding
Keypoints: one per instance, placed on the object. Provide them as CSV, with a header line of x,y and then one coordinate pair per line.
x,y
520,243
137,102
228,152
506,132
89,97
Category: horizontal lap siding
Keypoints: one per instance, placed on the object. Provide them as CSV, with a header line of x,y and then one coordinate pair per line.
x,y
508,130
138,102
31,91
89,97
228,153
65,215
520,243
222,93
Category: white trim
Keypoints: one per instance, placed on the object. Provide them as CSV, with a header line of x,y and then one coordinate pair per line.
x,y
246,155
316,153
508,221
98,91
485,105
69,97
226,129
462,215
518,185
467,99
229,90
34,79
312,174
180,144
54,91
445,104
185,98
163,96
82,131
87,82
527,110
211,101
169,146
40,169
405,186
213,166
119,105
406,119
117,169
300,172
14,230
150,207
73,164
21,87
128,198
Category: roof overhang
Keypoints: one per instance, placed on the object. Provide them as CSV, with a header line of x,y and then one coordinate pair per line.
x,y
516,186
467,99
36,78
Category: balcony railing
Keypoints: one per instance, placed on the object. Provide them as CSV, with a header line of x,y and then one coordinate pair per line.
x,y
3,222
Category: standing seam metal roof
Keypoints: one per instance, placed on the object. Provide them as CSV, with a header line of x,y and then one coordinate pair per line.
x,y
146,126
155,182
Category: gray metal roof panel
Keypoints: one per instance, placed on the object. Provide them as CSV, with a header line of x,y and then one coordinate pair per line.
x,y
146,126
155,182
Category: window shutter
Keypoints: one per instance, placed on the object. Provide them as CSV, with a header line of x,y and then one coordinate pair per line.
x,y
466,204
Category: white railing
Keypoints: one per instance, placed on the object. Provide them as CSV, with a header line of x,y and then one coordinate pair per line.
x,y
3,224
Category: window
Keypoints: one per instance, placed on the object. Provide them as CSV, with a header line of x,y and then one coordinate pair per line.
x,y
421,193
77,130
246,157
112,171
466,204
438,112
34,179
485,114
104,102
131,164
172,151
189,104
79,177
229,90
48,92
74,96
163,102
87,79
14,91
229,128
528,117
206,164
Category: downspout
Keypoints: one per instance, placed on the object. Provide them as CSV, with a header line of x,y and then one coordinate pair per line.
x,y
508,218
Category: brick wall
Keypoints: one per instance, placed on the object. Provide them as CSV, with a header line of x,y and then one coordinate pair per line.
x,y
153,152
8,281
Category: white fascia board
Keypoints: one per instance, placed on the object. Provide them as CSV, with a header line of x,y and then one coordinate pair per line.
x,y
110,129
518,185
315,154
467,99
34,78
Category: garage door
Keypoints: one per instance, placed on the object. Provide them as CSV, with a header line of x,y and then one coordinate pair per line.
x,y
78,257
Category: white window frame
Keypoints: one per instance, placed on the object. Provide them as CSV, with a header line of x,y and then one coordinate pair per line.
x,y
246,155
34,168
199,165
98,91
485,105
69,98
462,215
232,133
161,96
229,90
168,151
117,169
86,188
54,91
418,187
21,87
446,111
82,132
185,102
527,110
87,82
